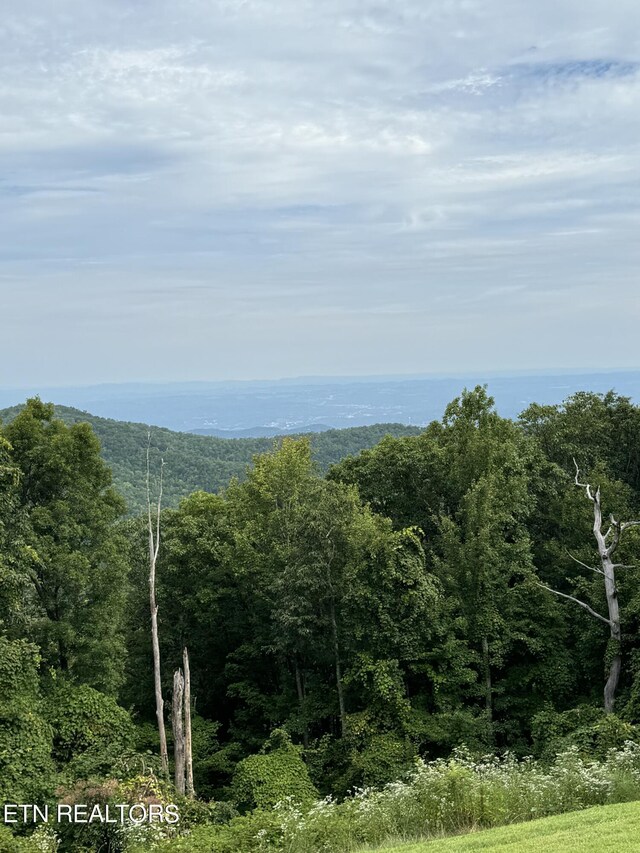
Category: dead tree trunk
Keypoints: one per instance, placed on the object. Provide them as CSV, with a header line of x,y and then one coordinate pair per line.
x,y
154,546
178,731
607,544
188,752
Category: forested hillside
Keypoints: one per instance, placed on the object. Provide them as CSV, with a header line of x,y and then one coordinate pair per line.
x,y
410,626
200,462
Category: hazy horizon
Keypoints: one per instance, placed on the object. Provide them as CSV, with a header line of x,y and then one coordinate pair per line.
x,y
471,374
299,404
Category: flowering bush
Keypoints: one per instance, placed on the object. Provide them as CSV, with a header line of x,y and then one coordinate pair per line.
x,y
43,840
441,797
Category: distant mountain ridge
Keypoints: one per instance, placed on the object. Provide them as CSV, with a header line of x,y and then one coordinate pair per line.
x,y
277,407
223,425
200,461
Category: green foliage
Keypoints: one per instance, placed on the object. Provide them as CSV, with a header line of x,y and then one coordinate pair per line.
x,y
43,840
374,759
26,768
595,830
261,830
586,728
90,730
333,583
196,462
206,747
467,484
14,581
446,731
438,798
277,772
390,610
142,788
70,550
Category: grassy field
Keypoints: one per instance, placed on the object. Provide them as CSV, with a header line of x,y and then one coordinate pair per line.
x,y
602,829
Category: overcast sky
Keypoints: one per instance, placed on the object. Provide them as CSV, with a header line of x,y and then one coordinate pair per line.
x,y
213,189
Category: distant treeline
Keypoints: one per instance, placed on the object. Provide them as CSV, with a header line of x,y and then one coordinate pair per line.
x,y
201,462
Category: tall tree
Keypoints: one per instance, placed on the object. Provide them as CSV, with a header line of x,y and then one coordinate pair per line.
x,y
75,558
14,582
484,549
470,483
598,429
326,570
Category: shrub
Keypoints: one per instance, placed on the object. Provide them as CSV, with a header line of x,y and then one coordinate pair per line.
x,y
275,773
43,840
588,729
261,830
26,768
384,757
90,730
116,837
206,748
438,797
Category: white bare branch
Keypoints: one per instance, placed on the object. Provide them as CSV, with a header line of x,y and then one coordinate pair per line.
x,y
154,545
577,601
580,563
584,486
159,509
148,481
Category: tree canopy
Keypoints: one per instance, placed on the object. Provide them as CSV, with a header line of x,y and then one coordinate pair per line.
x,y
339,622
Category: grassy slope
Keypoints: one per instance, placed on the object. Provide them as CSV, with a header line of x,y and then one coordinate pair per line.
x,y
602,829
201,462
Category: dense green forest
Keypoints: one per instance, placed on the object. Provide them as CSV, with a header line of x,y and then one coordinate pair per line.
x,y
431,599
200,462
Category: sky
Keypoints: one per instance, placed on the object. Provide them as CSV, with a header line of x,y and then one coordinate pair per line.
x,y
234,189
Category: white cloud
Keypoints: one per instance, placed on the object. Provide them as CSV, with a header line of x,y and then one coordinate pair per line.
x,y
366,156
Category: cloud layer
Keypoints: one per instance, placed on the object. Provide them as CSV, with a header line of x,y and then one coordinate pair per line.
x,y
259,188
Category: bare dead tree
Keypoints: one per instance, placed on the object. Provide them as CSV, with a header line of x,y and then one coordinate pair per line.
x,y
178,731
188,753
607,545
154,547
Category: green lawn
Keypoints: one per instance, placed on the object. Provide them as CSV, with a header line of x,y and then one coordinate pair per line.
x,y
603,829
